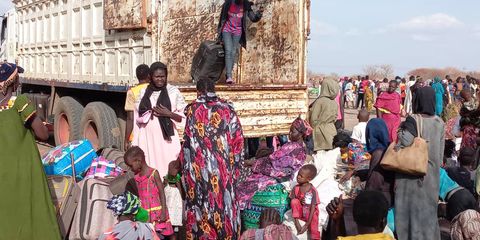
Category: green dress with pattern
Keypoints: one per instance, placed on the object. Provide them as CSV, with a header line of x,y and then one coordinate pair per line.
x,y
25,203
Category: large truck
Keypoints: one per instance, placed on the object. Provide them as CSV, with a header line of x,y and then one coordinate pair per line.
x,y
80,56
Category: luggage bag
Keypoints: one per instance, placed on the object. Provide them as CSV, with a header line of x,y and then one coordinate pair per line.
x,y
92,218
208,62
65,193
58,160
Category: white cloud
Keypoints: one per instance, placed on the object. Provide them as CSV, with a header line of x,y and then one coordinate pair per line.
x,y
319,28
353,32
422,38
438,21
379,31
476,31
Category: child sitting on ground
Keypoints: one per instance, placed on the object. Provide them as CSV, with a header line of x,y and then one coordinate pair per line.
x,y
174,197
150,190
305,202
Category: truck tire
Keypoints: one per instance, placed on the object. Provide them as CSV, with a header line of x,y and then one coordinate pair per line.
x,y
123,125
99,125
66,123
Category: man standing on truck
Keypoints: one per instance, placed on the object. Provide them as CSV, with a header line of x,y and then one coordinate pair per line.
x,y
231,29
143,76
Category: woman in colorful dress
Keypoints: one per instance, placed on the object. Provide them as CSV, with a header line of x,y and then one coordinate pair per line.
x,y
210,158
26,203
158,113
280,166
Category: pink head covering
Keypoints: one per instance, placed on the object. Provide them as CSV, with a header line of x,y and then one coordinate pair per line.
x,y
302,126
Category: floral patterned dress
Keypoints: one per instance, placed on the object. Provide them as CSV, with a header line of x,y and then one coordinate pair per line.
x,y
280,166
211,154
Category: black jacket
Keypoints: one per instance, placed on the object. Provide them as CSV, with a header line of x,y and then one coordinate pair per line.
x,y
247,8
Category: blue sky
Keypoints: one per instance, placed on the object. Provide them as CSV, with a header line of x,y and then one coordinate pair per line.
x,y
347,35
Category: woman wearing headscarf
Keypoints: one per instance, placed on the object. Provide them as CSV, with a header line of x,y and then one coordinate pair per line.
x,y
439,91
379,179
158,113
416,198
280,166
211,155
26,203
131,219
378,141
323,114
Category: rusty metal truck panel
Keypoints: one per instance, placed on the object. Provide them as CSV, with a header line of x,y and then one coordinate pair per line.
x,y
272,115
124,14
71,44
276,45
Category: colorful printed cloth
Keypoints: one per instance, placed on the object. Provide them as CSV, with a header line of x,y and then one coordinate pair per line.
x,y
211,154
149,196
450,128
251,215
274,196
278,167
469,137
103,168
128,230
358,155
124,204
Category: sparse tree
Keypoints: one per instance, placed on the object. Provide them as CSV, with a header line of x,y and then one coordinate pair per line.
x,y
386,71
372,71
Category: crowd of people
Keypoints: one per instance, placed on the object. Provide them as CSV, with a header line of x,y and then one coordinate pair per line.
x,y
322,183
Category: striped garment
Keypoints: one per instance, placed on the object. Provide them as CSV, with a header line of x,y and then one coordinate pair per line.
x,y
234,23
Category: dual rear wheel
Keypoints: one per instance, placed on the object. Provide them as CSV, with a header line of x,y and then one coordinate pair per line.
x,y
96,122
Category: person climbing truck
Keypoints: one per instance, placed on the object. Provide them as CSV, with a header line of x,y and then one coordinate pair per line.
x,y
231,29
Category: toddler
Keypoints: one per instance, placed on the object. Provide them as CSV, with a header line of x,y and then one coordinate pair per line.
x,y
305,202
174,197
150,190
